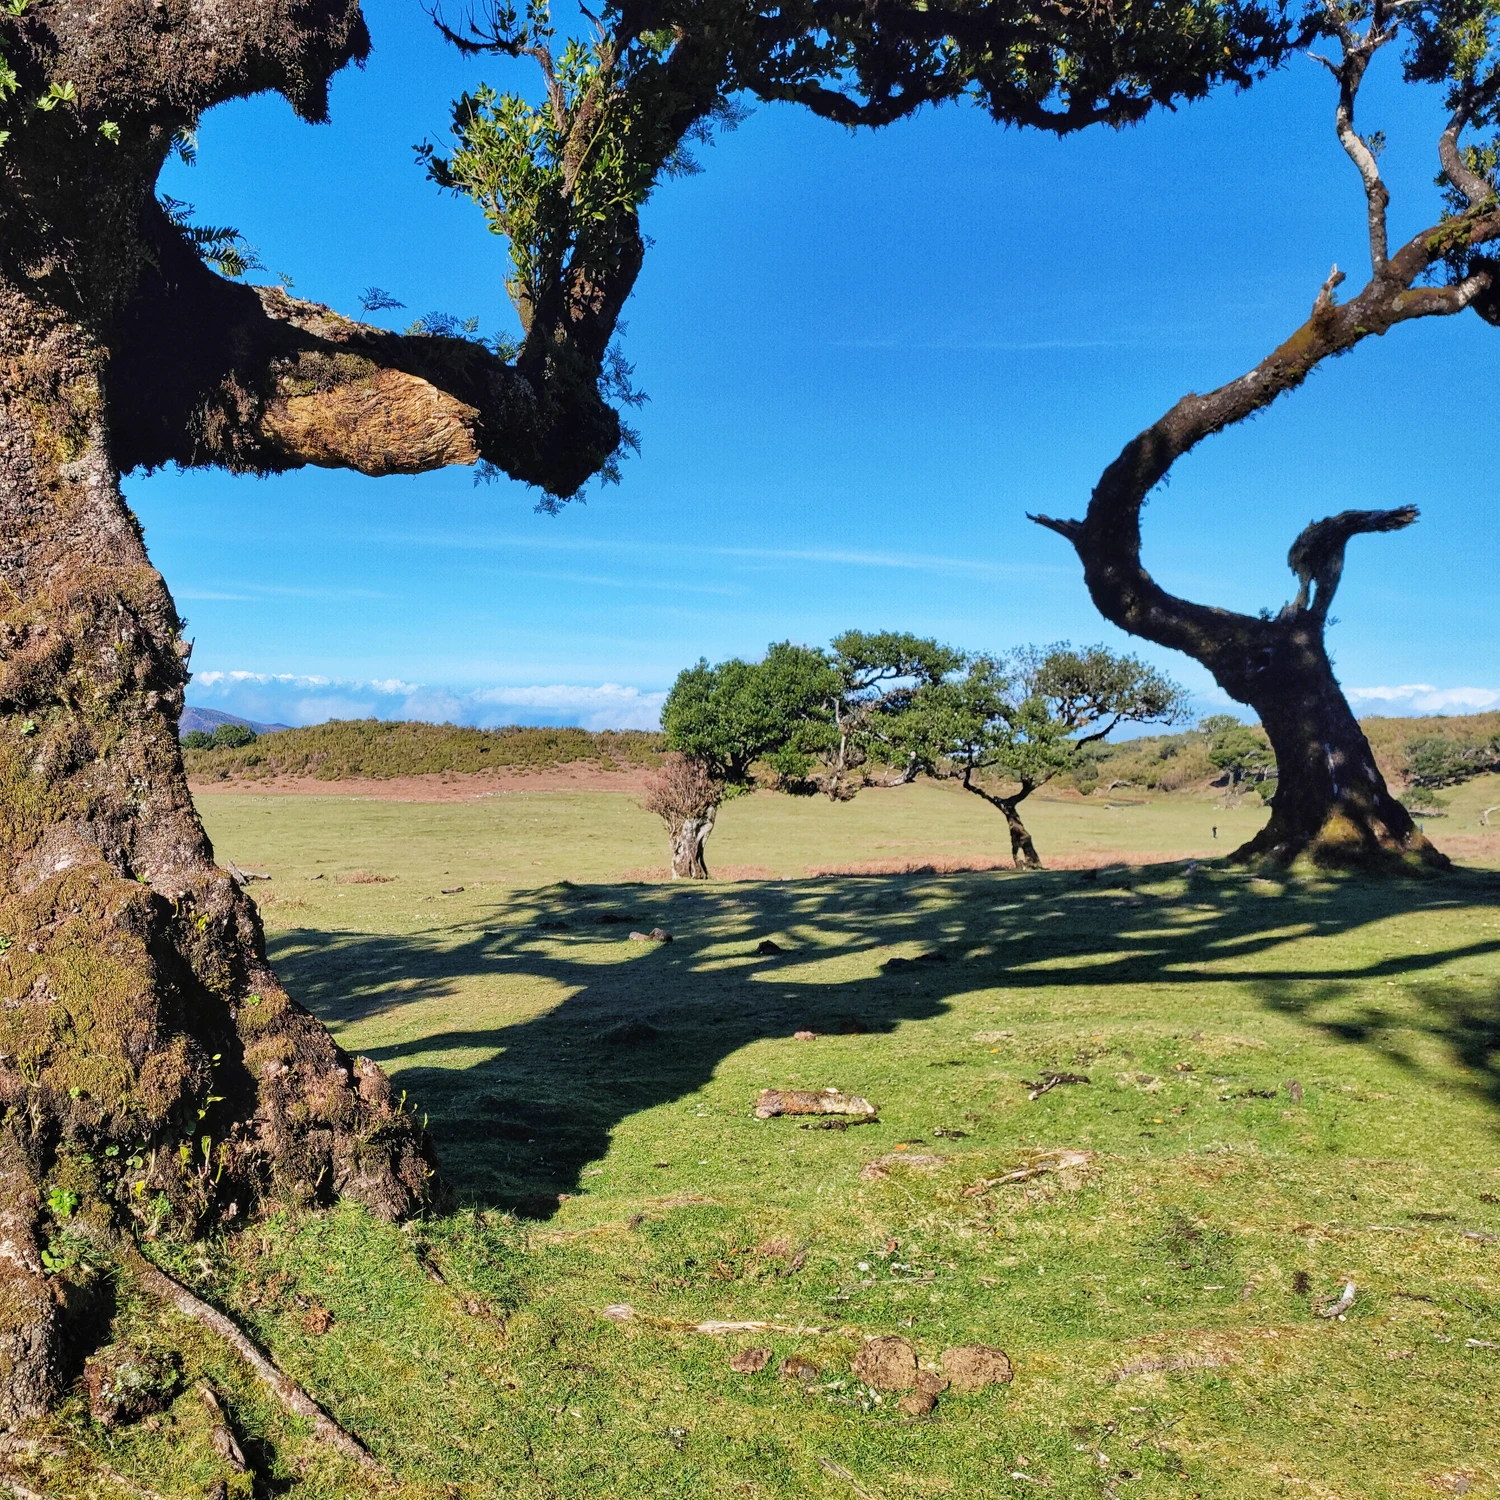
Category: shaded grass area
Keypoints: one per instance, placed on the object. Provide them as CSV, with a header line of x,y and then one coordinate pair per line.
x,y
591,1100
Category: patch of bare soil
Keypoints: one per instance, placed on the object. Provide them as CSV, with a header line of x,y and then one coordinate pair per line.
x,y
447,786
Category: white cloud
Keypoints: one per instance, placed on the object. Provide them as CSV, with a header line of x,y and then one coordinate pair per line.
x,y
294,698
1424,698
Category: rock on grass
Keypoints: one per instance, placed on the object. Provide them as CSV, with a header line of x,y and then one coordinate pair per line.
x,y
749,1361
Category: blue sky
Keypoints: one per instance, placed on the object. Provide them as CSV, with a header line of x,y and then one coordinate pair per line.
x,y
868,356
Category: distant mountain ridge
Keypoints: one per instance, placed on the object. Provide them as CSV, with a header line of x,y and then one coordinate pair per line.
x,y
209,719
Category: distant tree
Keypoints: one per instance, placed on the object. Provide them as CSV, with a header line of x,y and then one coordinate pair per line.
x,y
1029,716
1234,747
686,798
233,736
875,676
1332,800
197,739
721,721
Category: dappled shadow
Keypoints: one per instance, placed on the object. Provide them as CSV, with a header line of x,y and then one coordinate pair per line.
x,y
519,1110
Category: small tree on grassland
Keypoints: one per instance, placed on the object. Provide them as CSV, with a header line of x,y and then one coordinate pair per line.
x,y
686,798
1026,717
876,675
720,721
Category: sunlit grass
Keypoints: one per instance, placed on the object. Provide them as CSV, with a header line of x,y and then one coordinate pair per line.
x,y
1293,1083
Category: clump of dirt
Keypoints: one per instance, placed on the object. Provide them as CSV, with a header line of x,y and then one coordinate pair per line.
x,y
888,1363
364,877
799,1367
749,1361
972,1367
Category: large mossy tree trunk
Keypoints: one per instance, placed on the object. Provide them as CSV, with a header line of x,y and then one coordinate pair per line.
x,y
140,1021
1332,801
155,1077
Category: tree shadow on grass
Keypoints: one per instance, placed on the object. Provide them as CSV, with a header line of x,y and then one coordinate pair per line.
x,y
528,1105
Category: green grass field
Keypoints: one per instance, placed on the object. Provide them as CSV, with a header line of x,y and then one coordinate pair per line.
x,y
1293,1083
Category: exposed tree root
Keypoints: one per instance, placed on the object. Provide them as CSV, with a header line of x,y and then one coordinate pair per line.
x,y
287,1391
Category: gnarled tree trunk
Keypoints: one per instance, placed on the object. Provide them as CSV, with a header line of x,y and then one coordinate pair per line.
x,y
1331,799
1022,851
141,1022
155,1077
688,839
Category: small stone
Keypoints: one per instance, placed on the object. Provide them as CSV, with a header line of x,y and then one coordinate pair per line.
x,y
660,935
798,1367
453,890
749,1361
971,1367
888,1363
918,1404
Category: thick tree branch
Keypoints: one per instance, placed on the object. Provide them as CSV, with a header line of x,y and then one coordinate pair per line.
x,y
1350,72
206,371
1317,556
1476,188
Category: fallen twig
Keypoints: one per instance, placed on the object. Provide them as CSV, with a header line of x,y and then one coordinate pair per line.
x,y
840,1472
221,1434
1048,1082
623,1312
1339,1308
1056,1161
291,1395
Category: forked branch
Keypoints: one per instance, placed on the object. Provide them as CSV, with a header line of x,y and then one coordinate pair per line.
x,y
1317,556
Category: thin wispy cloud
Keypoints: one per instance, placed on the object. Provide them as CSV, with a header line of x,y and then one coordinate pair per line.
x,y
1424,698
825,556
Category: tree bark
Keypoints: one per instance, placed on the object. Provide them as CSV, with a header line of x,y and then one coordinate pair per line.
x,y
688,839
140,1013
1022,851
1331,802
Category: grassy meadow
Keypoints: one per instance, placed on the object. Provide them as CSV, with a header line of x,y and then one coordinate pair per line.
x,y
1293,1083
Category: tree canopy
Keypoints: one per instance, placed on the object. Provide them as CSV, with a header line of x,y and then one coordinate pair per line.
x,y
1023,718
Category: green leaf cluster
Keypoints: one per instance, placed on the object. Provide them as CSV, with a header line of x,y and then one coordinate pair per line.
x,y
728,717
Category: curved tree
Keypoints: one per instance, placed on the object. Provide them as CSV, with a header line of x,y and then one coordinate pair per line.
x,y
1006,725
141,1021
1332,801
